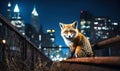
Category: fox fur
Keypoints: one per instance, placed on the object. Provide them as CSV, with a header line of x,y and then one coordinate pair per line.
x,y
79,45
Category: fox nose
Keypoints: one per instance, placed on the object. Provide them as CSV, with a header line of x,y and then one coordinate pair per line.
x,y
69,36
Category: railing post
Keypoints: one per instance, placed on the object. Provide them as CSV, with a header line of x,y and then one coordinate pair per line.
x,y
3,55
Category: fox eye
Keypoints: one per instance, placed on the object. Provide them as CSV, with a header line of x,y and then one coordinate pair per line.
x,y
65,31
72,31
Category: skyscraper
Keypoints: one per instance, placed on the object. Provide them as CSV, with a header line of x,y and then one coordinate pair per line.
x,y
17,21
51,32
34,20
9,10
86,21
101,28
114,29
40,36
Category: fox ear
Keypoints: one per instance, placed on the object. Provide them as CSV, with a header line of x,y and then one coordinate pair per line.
x,y
75,24
61,25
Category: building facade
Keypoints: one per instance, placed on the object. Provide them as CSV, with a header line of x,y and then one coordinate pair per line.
x,y
34,18
86,23
16,19
101,28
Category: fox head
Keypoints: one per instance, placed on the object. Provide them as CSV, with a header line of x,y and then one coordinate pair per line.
x,y
69,31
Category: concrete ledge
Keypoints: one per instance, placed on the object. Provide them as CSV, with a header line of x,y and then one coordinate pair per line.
x,y
96,60
88,64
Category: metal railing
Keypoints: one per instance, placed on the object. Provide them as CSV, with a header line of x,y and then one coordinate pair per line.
x,y
17,53
97,63
107,47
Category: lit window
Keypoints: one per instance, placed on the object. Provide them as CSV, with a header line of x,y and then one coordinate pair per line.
x,y
23,33
87,26
40,37
0,24
53,30
60,46
104,37
88,38
95,27
40,46
32,36
58,56
99,19
107,33
95,23
52,39
13,23
101,24
48,31
83,22
103,28
18,25
51,56
88,22
82,31
51,34
99,28
109,20
82,26
9,4
115,23
44,49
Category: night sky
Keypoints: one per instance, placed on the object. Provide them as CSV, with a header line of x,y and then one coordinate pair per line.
x,y
51,12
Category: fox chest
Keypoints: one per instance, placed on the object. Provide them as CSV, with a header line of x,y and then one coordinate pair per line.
x,y
73,43
68,43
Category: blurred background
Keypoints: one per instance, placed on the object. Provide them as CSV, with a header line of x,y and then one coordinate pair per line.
x,y
38,20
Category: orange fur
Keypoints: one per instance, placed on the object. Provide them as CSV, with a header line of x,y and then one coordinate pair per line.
x,y
76,41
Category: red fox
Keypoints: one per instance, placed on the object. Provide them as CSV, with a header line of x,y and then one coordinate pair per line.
x,y
79,45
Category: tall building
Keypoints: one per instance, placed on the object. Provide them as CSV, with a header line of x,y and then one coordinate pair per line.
x,y
32,28
9,10
34,20
51,32
114,29
47,38
32,34
40,36
86,21
17,21
101,28
47,41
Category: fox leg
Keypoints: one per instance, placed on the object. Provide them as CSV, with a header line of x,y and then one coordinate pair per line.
x,y
72,49
79,52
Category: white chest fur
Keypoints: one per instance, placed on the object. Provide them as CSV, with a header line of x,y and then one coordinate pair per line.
x,y
68,42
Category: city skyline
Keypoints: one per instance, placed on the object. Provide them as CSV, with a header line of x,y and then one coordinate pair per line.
x,y
53,12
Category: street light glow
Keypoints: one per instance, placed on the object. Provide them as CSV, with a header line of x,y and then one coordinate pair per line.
x,y
3,41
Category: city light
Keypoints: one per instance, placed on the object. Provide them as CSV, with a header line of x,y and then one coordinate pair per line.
x,y
16,9
53,30
1,24
31,39
3,41
83,22
95,23
9,4
115,23
50,31
34,12
60,46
